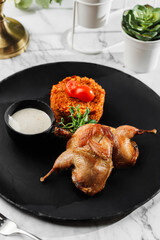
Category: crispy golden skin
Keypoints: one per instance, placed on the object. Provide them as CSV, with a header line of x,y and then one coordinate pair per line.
x,y
125,151
89,151
93,150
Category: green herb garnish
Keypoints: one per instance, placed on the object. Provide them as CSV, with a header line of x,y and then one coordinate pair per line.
x,y
77,119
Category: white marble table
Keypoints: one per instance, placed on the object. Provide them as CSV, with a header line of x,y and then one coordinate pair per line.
x,y
47,29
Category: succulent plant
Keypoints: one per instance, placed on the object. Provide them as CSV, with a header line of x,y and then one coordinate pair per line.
x,y
142,22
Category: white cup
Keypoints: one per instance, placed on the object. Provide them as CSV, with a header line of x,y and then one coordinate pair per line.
x,y
140,56
93,13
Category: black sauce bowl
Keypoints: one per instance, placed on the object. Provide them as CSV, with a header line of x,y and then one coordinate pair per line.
x,y
29,138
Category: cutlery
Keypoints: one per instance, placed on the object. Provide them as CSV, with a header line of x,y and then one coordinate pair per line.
x,y
7,227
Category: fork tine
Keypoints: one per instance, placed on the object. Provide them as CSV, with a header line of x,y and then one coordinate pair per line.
x,y
1,223
2,217
8,227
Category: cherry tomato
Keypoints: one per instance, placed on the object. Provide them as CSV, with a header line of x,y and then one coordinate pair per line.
x,y
71,86
84,93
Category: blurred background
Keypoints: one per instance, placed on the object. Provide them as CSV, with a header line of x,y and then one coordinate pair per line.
x,y
117,4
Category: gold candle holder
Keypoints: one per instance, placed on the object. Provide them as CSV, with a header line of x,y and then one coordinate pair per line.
x,y
14,39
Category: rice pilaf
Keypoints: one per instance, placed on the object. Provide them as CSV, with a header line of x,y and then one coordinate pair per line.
x,y
60,101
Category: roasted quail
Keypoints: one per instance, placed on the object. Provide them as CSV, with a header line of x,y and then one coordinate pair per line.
x,y
93,150
89,151
125,151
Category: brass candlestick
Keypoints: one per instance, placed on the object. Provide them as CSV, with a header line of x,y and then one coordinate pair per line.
x,y
14,38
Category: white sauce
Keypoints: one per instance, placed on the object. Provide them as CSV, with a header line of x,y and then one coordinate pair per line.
x,y
30,121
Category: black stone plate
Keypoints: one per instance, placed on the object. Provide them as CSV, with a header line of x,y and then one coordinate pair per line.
x,y
128,101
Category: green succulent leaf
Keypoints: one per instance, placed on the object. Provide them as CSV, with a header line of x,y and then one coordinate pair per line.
x,y
128,32
157,37
149,35
43,3
58,1
142,22
23,4
156,28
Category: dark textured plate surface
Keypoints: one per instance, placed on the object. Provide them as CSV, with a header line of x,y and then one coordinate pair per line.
x,y
128,101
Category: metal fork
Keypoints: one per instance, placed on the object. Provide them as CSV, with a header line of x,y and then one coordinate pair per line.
x,y
7,227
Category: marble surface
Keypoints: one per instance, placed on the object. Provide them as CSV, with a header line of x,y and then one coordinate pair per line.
x,y
48,31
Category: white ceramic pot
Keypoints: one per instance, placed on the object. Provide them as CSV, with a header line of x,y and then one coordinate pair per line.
x,y
140,56
93,13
